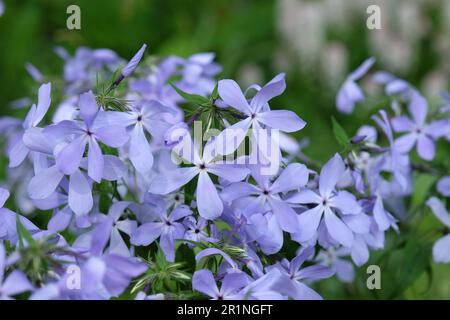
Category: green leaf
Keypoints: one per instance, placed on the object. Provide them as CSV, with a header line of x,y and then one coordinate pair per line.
x,y
340,134
189,97
422,184
23,233
215,92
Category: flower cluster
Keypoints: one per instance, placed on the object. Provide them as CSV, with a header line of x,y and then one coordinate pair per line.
x,y
192,187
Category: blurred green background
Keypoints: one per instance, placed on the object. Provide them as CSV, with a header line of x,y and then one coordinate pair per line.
x,y
315,42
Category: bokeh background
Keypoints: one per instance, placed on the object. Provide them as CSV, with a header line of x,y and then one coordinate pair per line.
x,y
316,42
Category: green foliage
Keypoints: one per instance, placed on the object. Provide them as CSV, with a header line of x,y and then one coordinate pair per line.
x,y
339,133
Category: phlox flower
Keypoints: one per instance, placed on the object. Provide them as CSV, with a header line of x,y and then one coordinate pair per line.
x,y
441,248
141,118
15,283
327,202
87,132
209,204
19,151
204,282
298,275
267,193
350,93
257,114
419,133
167,227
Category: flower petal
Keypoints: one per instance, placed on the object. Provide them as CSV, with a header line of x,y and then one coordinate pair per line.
x,y
113,136
330,175
337,229
173,180
231,94
139,152
69,158
284,120
294,176
96,162
43,184
441,250
204,282
308,223
146,233
80,194
208,201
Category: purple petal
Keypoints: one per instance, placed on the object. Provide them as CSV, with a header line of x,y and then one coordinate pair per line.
x,y
438,129
303,292
232,282
330,175
308,223
16,283
167,243
418,108
316,272
439,210
346,203
140,153
362,69
113,136
358,223
344,270
17,154
146,233
294,176
62,129
286,216
426,148
204,282
337,229
443,186
231,94
284,120
405,143
305,196
68,159
44,101
208,201
272,89
88,107
360,252
100,236
80,194
117,245
402,124
173,180
441,250
35,140
349,94
237,190
96,162
380,216
4,195
44,183
114,169
229,172
60,220
133,63
298,261
180,212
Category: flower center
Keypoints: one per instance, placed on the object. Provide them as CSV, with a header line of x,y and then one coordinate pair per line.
x,y
139,118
